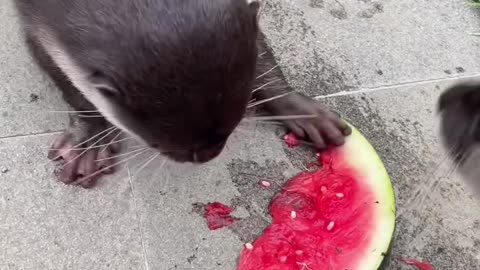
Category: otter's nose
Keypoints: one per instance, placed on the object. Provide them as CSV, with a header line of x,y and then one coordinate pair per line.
x,y
206,154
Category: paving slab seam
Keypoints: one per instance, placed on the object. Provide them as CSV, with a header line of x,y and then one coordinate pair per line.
x,y
140,226
18,136
397,85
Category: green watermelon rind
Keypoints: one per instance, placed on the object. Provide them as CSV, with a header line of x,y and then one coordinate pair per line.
x,y
362,157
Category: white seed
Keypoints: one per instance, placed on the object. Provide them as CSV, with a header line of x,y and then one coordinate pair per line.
x,y
340,195
318,154
293,214
283,259
330,225
249,246
299,252
323,189
303,265
266,183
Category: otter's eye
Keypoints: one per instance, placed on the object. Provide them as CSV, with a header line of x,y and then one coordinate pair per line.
x,y
104,85
107,92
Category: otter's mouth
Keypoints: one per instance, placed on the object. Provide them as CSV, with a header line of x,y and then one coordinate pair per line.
x,y
198,156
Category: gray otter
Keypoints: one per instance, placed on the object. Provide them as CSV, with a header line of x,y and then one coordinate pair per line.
x,y
175,74
459,107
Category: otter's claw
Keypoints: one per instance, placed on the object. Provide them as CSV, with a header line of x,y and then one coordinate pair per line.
x,y
325,129
83,163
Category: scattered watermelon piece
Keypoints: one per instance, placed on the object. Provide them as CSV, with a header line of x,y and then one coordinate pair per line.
x,y
265,184
218,215
420,265
291,140
339,217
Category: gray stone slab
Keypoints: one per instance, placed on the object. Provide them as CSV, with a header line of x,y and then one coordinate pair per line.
x,y
47,225
329,45
27,96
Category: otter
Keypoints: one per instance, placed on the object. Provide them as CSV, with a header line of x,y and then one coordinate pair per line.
x,y
177,75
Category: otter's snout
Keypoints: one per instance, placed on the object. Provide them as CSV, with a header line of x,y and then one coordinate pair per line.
x,y
198,155
208,153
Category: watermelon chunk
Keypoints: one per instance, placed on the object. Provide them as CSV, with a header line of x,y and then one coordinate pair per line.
x,y
339,217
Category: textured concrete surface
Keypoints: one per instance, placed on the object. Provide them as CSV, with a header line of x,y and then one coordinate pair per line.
x,y
385,62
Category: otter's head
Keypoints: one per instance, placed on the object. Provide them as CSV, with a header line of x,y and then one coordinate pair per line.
x,y
175,74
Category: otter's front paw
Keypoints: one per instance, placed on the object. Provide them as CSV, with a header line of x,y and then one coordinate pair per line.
x,y
320,125
84,160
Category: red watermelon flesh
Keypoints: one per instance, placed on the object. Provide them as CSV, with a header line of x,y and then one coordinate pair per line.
x,y
335,218
218,215
419,265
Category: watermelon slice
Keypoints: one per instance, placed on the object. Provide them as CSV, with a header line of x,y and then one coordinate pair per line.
x,y
339,217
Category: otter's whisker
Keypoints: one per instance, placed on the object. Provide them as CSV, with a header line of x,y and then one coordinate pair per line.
x,y
137,146
266,72
280,117
90,116
302,142
95,146
74,111
112,140
264,85
108,167
452,152
121,155
427,187
251,105
460,158
152,158
117,141
167,175
452,170
248,124
262,54
269,123
242,130
95,136
84,151
76,146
